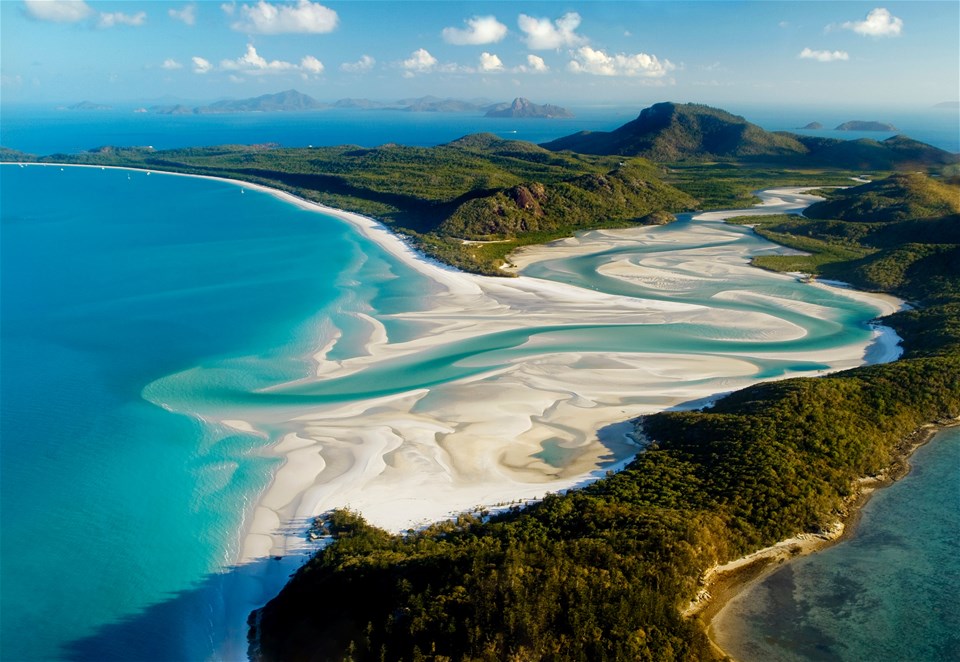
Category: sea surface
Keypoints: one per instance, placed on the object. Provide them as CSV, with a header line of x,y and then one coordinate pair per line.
x,y
888,594
72,131
122,508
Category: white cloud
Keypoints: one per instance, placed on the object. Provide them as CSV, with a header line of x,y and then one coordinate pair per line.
x,y
229,8
480,30
201,66
171,64
543,34
251,62
361,66
311,65
111,19
879,23
186,15
823,56
58,11
534,65
490,63
589,61
303,17
420,61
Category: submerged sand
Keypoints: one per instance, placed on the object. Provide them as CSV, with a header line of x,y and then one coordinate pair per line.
x,y
540,424
416,457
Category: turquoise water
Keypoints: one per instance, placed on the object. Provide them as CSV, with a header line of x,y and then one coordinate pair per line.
x,y
888,594
131,303
111,280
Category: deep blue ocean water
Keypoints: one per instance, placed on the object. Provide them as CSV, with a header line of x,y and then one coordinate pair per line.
x,y
121,518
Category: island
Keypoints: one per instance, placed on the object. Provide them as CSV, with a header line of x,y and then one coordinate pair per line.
x,y
295,101
524,108
624,567
812,126
88,105
860,125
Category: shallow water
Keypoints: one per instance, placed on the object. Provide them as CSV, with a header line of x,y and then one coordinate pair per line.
x,y
887,594
141,311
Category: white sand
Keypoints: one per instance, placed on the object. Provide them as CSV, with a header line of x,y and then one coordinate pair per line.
x,y
413,458
419,456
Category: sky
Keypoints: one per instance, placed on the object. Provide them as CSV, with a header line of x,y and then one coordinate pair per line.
x,y
579,53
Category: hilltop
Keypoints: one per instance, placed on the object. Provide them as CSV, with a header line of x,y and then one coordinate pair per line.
x,y
680,132
673,132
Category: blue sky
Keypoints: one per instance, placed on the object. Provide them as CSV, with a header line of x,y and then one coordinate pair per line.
x,y
811,53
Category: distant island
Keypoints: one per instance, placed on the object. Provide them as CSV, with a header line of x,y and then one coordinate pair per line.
x,y
813,126
294,101
525,108
87,105
860,125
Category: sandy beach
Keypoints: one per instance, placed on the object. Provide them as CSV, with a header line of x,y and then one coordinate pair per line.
x,y
420,456
520,427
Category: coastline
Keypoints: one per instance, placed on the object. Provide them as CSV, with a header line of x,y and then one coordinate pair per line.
x,y
560,398
722,583
422,456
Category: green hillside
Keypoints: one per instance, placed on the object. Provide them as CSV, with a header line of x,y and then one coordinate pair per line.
x,y
480,187
896,198
667,132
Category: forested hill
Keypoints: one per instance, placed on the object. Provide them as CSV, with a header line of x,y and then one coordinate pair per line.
x,y
479,187
897,198
676,132
602,573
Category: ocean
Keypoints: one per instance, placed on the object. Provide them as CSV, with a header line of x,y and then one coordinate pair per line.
x,y
132,303
67,131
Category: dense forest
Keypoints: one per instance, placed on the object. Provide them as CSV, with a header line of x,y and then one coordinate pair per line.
x,y
602,573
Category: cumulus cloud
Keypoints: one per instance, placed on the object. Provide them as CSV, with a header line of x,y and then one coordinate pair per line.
x,y
490,63
479,30
361,66
266,18
58,11
419,62
171,64
251,62
311,65
112,19
542,33
879,23
823,56
186,15
590,61
201,66
534,65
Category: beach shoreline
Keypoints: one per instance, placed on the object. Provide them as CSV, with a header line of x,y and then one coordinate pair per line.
x,y
722,583
586,402
429,454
